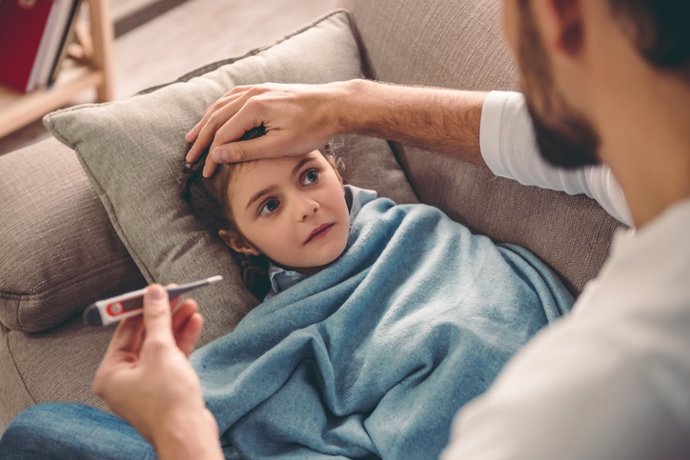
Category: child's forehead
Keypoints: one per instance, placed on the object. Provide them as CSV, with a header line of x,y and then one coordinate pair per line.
x,y
277,165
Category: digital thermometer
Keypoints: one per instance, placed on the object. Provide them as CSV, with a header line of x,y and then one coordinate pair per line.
x,y
114,309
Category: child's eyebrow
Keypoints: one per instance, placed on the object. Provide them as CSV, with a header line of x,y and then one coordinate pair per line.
x,y
261,193
273,188
301,163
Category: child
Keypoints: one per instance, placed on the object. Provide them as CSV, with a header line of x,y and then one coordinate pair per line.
x,y
280,226
380,320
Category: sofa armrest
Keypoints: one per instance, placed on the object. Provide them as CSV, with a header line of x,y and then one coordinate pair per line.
x,y
58,250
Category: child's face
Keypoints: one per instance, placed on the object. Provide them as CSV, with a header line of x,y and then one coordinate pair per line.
x,y
290,209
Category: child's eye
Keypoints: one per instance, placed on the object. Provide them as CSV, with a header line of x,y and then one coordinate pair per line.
x,y
269,207
310,176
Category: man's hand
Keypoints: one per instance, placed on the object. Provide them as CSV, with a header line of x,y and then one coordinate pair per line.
x,y
301,118
146,378
297,119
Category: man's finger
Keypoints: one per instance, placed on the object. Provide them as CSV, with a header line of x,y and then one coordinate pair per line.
x,y
235,152
182,313
259,148
127,336
188,333
201,140
157,316
206,131
192,133
233,121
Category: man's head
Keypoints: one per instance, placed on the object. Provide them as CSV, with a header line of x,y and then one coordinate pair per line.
x,y
541,32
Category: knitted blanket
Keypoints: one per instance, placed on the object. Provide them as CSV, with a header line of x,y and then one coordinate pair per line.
x,y
373,356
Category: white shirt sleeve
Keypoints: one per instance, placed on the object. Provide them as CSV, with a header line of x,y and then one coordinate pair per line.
x,y
509,148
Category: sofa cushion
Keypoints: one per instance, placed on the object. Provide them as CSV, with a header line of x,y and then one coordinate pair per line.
x,y
58,251
133,151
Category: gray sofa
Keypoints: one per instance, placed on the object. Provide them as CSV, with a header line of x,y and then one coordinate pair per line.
x,y
58,246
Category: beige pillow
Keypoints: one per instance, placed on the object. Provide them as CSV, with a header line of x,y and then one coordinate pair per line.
x,y
132,151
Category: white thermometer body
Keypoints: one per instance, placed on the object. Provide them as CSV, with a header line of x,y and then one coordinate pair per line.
x,y
114,309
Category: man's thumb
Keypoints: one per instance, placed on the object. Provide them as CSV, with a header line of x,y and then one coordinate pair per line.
x,y
157,320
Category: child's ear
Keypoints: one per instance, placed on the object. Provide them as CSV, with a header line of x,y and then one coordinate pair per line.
x,y
237,242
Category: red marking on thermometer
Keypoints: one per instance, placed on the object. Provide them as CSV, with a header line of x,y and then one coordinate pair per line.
x,y
114,309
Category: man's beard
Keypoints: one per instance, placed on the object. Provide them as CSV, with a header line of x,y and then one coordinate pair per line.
x,y
568,140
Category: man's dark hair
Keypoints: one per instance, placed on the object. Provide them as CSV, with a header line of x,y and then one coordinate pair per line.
x,y
660,30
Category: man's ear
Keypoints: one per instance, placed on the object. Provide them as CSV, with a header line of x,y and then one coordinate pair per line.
x,y
237,242
567,27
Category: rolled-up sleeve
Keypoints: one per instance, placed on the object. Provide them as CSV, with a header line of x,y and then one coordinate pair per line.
x,y
509,148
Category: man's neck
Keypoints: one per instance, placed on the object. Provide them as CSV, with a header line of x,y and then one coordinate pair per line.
x,y
646,142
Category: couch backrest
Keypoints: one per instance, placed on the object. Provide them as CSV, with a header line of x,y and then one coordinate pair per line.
x,y
459,44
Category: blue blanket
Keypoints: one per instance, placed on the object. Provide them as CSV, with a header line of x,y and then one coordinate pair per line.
x,y
374,355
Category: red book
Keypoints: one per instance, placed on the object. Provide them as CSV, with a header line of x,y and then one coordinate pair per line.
x,y
22,23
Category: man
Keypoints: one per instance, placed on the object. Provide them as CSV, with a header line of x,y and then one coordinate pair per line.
x,y
605,81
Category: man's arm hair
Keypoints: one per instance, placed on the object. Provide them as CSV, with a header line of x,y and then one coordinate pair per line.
x,y
437,119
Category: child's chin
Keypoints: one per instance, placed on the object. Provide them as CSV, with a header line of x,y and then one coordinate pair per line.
x,y
326,261
338,251
327,258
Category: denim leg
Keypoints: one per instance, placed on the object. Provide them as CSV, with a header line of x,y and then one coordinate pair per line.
x,y
71,431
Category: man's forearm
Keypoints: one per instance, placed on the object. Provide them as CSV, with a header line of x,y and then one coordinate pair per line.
x,y
437,119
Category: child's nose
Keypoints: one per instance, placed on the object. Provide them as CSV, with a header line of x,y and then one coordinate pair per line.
x,y
308,208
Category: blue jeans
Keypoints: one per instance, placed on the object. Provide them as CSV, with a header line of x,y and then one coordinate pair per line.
x,y
71,431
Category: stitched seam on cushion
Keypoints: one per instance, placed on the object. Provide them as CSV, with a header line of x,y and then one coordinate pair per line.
x,y
9,295
18,317
5,332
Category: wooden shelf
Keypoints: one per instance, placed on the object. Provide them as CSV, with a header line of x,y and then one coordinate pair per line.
x,y
94,71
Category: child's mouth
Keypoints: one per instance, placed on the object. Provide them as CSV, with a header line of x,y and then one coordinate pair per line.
x,y
320,231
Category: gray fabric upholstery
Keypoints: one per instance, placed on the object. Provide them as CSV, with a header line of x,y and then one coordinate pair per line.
x,y
15,394
458,44
58,250
57,365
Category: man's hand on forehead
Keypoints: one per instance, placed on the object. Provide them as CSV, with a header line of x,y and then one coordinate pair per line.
x,y
254,122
